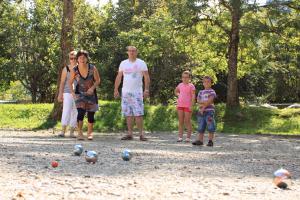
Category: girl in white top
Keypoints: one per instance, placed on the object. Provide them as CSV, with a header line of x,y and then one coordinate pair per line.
x,y
69,114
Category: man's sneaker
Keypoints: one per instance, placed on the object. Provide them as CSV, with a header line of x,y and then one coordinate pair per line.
x,y
210,143
143,138
197,142
127,137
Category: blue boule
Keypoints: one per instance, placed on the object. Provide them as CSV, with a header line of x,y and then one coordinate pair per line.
x,y
91,157
78,149
126,155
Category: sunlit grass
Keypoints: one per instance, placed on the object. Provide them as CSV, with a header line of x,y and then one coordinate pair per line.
x,y
244,120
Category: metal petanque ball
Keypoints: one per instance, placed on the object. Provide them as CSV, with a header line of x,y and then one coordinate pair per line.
x,y
91,157
78,149
282,178
282,185
282,173
126,155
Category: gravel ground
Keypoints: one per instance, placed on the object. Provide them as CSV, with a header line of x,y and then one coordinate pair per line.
x,y
237,167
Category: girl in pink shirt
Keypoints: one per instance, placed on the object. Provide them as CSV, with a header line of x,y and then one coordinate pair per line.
x,y
186,98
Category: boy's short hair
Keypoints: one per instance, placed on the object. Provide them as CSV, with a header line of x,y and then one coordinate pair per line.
x,y
187,73
208,78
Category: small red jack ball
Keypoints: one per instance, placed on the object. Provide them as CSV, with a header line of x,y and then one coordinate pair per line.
x,y
54,164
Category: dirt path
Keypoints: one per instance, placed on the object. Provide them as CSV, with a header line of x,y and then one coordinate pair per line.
x,y
238,167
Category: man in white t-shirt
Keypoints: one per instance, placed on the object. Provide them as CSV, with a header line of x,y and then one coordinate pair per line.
x,y
134,70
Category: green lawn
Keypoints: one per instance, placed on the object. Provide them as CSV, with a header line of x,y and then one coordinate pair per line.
x,y
245,120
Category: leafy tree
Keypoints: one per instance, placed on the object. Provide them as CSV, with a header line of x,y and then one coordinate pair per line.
x,y
37,48
8,17
227,16
251,50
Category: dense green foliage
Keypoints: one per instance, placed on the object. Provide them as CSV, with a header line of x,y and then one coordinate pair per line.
x,y
170,36
250,120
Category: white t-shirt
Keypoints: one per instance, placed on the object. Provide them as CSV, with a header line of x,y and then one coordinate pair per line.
x,y
133,76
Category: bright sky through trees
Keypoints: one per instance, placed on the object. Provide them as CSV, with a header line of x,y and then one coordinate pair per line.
x,y
103,2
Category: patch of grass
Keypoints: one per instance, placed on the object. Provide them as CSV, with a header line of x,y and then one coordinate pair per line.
x,y
109,117
257,120
244,120
160,118
25,116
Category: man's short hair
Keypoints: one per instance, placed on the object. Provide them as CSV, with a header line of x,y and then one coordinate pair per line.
x,y
128,47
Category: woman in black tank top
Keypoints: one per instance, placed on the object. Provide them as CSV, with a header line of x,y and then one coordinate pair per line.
x,y
87,77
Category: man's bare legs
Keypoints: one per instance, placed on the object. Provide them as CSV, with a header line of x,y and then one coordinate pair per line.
x,y
139,123
129,121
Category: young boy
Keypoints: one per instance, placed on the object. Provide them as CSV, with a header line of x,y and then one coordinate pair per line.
x,y
205,116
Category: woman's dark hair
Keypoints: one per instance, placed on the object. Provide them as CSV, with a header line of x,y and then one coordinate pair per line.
x,y
82,52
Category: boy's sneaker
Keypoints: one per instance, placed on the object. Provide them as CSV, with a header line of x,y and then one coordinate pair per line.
x,y
197,142
143,138
210,143
62,134
179,139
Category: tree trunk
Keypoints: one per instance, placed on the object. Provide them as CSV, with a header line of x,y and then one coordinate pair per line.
x,y
33,92
232,86
33,96
66,47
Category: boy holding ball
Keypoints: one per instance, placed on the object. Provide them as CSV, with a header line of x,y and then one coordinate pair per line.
x,y
205,117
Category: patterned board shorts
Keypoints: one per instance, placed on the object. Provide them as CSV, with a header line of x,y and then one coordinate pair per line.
x,y
206,121
132,104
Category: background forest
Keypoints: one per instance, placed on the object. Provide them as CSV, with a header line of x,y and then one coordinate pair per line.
x,y
171,36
